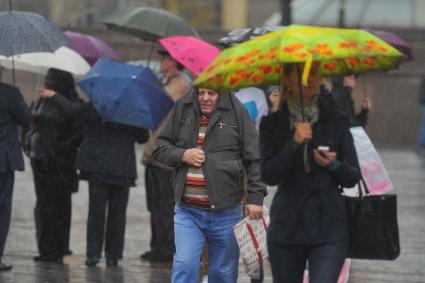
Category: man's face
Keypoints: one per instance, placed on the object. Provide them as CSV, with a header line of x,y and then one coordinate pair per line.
x,y
207,100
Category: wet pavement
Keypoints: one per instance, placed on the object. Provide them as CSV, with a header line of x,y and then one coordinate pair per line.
x,y
405,168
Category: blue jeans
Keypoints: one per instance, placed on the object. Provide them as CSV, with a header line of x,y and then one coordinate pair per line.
x,y
192,227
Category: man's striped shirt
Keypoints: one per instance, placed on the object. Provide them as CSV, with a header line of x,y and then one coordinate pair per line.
x,y
195,191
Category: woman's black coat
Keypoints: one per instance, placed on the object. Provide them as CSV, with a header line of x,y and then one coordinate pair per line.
x,y
308,207
107,150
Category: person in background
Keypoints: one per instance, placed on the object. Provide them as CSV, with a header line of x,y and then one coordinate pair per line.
x,y
53,141
107,160
158,176
420,146
342,93
13,112
212,142
309,153
273,98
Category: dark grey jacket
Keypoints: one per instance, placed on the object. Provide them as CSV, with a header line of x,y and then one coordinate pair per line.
x,y
107,148
13,112
231,150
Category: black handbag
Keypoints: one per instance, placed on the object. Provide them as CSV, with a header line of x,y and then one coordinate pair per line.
x,y
372,225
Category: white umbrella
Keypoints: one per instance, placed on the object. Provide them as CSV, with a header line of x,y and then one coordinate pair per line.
x,y
63,58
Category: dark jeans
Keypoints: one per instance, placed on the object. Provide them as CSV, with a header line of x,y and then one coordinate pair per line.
x,y
52,212
6,191
289,261
112,199
162,210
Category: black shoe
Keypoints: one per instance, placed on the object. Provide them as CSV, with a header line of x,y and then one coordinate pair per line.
x,y
146,255
160,258
92,261
5,267
67,252
48,258
111,262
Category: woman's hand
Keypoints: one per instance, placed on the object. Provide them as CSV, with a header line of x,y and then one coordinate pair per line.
x,y
324,158
303,133
45,92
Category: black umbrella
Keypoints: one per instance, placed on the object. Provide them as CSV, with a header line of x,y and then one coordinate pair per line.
x,y
237,36
25,32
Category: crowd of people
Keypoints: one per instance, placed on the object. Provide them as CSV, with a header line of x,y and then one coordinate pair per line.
x,y
207,166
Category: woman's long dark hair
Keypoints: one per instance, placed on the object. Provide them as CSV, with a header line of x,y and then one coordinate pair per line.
x,y
61,82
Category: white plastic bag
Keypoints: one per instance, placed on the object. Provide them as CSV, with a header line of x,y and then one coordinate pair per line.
x,y
373,171
251,236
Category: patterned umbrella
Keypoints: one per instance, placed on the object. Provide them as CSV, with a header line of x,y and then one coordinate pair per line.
x,y
260,61
24,32
396,41
148,23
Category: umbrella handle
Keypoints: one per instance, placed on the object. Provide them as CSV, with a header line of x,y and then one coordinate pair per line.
x,y
300,88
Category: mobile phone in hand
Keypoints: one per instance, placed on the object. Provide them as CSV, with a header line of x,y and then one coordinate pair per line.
x,y
322,149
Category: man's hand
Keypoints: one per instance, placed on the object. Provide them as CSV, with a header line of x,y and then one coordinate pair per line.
x,y
303,133
194,157
45,92
324,158
254,211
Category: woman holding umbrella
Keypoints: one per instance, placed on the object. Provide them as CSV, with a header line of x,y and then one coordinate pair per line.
x,y
308,151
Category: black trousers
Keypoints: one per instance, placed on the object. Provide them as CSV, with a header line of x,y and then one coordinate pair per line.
x,y
162,209
53,206
289,261
6,191
107,210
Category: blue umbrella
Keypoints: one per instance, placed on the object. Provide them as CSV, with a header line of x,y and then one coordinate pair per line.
x,y
126,94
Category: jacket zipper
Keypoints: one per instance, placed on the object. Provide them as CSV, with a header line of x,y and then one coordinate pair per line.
x,y
224,124
239,171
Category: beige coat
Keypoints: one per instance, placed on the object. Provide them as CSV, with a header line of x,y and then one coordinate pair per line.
x,y
176,87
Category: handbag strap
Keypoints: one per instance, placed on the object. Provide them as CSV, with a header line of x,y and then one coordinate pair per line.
x,y
362,187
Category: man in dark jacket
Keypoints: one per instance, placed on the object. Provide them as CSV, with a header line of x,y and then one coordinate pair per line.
x,y
212,143
13,112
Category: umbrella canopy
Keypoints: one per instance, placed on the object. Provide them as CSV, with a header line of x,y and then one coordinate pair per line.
x,y
240,35
126,94
148,23
24,32
91,48
396,41
193,53
64,59
260,61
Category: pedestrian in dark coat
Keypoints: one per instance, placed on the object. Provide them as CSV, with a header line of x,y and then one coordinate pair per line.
x,y
342,93
308,220
52,147
107,160
13,112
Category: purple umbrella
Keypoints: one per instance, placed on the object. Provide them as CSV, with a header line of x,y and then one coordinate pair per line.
x,y
90,48
396,41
